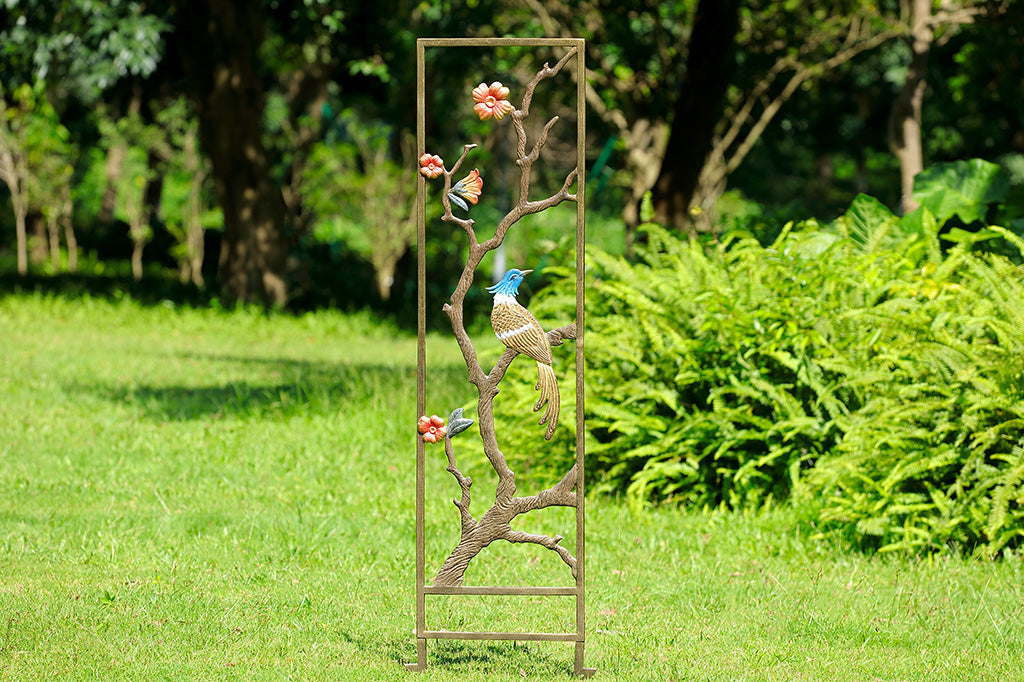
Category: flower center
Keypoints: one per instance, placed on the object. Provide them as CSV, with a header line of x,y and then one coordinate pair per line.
x,y
490,101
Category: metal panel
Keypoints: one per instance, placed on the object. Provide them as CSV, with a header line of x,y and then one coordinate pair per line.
x,y
576,50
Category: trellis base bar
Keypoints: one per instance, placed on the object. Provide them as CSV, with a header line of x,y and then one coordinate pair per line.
x,y
570,591
518,636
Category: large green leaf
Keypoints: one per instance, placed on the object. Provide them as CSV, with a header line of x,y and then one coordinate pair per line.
x,y
864,218
964,188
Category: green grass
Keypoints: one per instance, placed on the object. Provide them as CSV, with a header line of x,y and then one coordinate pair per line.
x,y
227,495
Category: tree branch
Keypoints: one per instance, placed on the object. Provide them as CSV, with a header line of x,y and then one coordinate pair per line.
x,y
495,525
468,522
546,541
560,495
541,141
802,72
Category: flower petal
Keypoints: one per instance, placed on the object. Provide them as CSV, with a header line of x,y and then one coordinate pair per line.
x,y
500,108
483,111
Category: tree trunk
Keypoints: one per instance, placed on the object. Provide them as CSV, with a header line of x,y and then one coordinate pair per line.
x,y
708,65
645,150
194,231
13,174
115,164
219,44
112,170
139,229
20,228
154,185
385,279
67,207
138,244
39,243
905,117
53,232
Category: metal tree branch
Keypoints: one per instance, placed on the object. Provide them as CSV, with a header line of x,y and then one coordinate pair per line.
x,y
495,522
495,525
468,522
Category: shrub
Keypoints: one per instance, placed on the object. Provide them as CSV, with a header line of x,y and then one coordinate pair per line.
x,y
859,370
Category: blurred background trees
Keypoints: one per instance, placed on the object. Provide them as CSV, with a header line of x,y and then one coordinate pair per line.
x,y
258,150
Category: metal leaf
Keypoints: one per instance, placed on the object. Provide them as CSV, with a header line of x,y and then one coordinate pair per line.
x,y
458,201
457,423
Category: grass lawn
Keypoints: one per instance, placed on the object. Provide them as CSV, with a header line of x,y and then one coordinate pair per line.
x,y
209,495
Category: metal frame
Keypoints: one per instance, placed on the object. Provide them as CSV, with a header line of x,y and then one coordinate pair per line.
x,y
578,589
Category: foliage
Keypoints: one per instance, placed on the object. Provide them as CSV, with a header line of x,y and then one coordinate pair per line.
x,y
962,188
141,143
832,140
34,164
361,198
186,202
308,59
81,46
861,369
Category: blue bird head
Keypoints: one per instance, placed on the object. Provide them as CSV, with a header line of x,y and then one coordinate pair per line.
x,y
509,284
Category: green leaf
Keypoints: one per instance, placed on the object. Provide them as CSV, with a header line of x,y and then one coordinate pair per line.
x,y
959,236
964,188
865,215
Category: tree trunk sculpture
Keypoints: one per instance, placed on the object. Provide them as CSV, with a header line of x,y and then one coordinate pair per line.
x,y
494,524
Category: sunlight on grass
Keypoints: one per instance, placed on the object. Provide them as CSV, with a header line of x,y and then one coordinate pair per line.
x,y
229,495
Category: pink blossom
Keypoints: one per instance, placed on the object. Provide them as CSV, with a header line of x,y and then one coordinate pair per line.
x,y
431,165
491,100
432,428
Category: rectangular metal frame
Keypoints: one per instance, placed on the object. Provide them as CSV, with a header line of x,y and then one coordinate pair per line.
x,y
577,590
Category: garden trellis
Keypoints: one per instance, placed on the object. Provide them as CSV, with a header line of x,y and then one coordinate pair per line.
x,y
491,102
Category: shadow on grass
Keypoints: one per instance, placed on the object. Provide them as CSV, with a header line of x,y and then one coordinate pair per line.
x,y
292,387
323,291
482,657
153,289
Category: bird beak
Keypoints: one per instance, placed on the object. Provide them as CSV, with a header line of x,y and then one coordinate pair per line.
x,y
525,272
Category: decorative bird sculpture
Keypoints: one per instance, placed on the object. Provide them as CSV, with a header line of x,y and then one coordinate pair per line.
x,y
519,330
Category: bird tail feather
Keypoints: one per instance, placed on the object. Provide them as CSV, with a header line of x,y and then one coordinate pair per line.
x,y
547,384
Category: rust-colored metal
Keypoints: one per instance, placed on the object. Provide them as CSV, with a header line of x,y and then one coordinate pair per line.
x,y
494,524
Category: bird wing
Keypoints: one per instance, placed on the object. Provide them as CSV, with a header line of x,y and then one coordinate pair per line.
x,y
518,329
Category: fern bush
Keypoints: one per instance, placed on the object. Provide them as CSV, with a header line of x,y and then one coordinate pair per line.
x,y
859,370
932,456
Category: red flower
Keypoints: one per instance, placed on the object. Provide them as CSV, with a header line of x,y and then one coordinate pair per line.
x,y
431,427
431,165
491,100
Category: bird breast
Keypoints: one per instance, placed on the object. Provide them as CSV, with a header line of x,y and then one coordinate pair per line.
x,y
518,329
